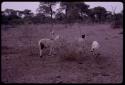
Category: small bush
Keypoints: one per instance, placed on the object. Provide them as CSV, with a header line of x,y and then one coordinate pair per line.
x,y
117,24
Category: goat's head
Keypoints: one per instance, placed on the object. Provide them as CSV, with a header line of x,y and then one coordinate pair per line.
x,y
57,37
92,50
83,36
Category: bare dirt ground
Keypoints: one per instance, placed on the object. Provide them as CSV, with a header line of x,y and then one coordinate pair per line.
x,y
21,63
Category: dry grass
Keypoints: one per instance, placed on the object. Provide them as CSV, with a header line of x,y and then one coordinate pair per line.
x,y
74,64
72,51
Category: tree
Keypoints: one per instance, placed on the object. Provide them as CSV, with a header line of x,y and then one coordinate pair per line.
x,y
27,16
20,13
8,11
27,13
59,16
4,18
39,18
100,12
46,8
10,17
109,16
74,10
82,7
91,14
117,19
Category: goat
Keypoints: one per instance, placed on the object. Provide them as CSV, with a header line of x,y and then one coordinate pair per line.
x,y
43,44
48,43
94,47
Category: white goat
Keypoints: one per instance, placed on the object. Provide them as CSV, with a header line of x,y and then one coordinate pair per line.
x,y
43,44
95,46
47,43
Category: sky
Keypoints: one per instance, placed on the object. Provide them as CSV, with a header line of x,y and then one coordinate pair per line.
x,y
34,5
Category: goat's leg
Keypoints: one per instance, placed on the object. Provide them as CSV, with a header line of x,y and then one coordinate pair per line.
x,y
41,53
41,47
50,52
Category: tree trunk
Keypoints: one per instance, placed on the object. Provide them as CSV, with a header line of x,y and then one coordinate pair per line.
x,y
51,15
66,17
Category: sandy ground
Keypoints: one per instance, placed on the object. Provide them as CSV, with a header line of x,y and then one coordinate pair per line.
x,y
20,61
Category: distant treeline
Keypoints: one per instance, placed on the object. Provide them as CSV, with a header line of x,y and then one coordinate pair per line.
x,y
68,12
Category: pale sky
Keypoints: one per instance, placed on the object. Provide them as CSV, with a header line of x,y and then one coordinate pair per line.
x,y
34,5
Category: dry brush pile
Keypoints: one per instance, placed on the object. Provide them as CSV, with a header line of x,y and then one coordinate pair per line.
x,y
72,51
